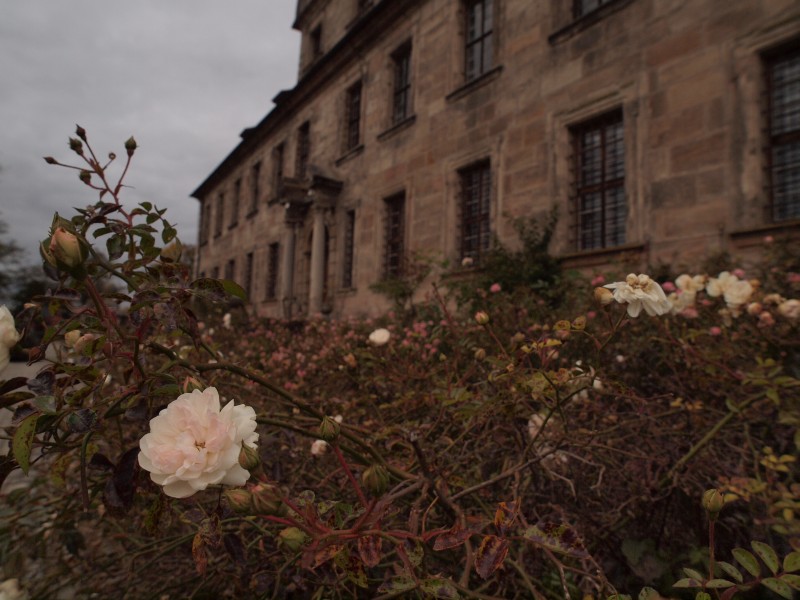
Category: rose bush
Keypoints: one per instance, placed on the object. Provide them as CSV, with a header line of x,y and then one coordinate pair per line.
x,y
9,336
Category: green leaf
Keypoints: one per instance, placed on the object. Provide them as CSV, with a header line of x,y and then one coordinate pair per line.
x,y
791,562
23,441
649,593
403,583
168,234
716,584
792,580
730,570
234,289
693,574
747,560
687,583
766,554
702,596
115,246
779,587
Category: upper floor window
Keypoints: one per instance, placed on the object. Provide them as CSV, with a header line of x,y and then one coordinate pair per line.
x,y
278,157
303,149
395,235
583,7
478,39
255,175
248,275
316,42
600,205
205,221
237,194
783,153
353,117
476,195
272,271
349,248
401,96
218,222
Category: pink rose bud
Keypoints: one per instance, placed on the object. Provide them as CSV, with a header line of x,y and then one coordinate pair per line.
x,y
668,286
482,317
739,273
495,287
598,280
66,247
715,330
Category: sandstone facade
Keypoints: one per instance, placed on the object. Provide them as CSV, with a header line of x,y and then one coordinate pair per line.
x,y
420,126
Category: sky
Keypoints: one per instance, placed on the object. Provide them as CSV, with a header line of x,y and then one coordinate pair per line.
x,y
184,77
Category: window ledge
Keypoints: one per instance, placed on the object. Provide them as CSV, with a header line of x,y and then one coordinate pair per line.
x,y
476,83
754,236
598,256
352,153
397,127
587,20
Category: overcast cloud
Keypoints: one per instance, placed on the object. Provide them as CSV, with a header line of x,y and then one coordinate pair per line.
x,y
184,77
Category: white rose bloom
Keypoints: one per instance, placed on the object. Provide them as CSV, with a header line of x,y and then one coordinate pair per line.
x,y
379,337
687,283
790,309
226,320
8,336
319,447
736,292
193,444
639,291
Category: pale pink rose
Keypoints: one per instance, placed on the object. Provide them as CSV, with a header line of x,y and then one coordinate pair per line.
x,y
319,447
668,287
765,319
793,277
639,291
193,444
9,336
768,239
790,309
739,273
598,280
715,330
690,312
495,287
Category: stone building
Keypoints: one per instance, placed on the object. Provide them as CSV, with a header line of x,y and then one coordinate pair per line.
x,y
662,130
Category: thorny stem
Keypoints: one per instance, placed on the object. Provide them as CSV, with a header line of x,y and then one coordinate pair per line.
x,y
361,497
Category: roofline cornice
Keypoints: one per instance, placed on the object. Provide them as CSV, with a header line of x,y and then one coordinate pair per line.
x,y
362,34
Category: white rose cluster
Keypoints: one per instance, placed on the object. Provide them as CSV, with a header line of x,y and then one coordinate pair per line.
x,y
638,292
193,443
8,336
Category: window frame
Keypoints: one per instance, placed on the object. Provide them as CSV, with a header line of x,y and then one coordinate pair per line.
x,y
237,196
348,250
484,40
255,187
219,220
586,236
476,176
303,150
394,235
273,268
579,11
787,209
352,114
401,83
278,165
249,264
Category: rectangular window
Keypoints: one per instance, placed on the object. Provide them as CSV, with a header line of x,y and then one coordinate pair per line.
x,y
395,235
273,257
205,221
476,195
783,154
478,39
237,194
316,42
600,206
278,156
255,175
220,215
584,7
353,117
349,248
215,273
230,269
248,275
303,149
401,98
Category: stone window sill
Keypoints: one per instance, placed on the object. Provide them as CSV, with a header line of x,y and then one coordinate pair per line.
x,y
600,256
397,127
754,236
586,21
350,154
475,84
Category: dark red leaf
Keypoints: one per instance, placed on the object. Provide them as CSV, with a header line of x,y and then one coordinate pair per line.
x,y
199,554
505,517
452,538
558,537
491,554
369,549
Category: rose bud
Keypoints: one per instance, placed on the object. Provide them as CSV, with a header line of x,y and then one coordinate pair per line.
x,y
130,146
239,500
265,500
603,296
80,132
191,384
65,247
71,337
50,160
329,429
713,502
249,458
76,146
375,479
480,354
482,317
292,539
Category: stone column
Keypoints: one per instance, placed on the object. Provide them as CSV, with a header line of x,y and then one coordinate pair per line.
x,y
287,276
317,262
